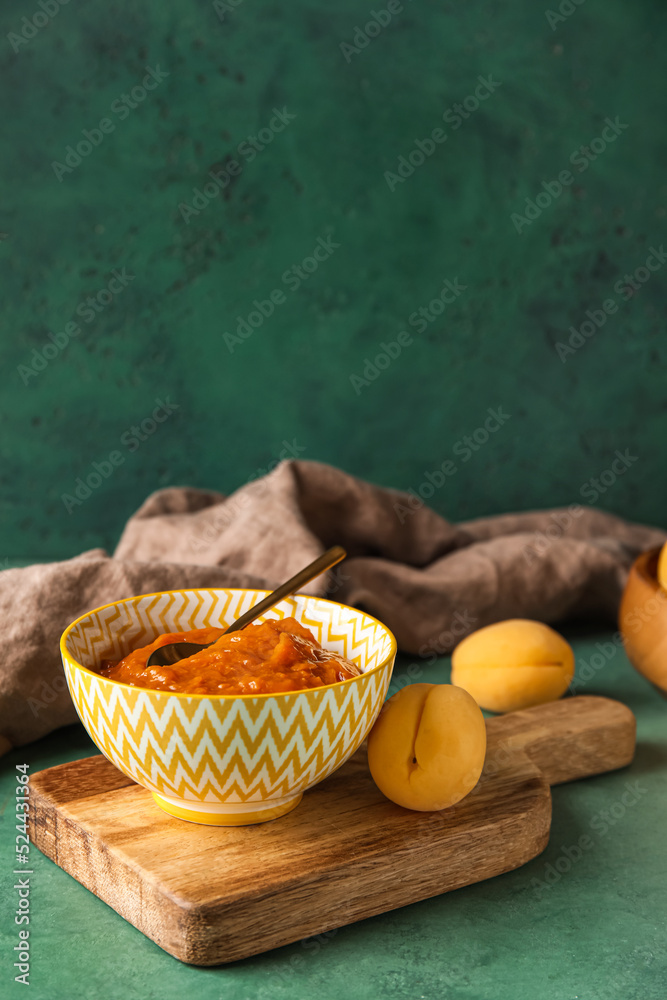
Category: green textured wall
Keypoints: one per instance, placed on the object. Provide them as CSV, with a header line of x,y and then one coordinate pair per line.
x,y
323,176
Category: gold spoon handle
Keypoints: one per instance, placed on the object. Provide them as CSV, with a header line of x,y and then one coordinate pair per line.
x,y
291,586
174,651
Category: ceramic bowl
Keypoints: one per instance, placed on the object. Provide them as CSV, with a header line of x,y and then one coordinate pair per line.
x,y
225,760
643,620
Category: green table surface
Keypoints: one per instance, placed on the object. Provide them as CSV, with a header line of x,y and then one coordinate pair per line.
x,y
594,930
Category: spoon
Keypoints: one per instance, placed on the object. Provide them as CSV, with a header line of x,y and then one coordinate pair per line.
x,y
165,656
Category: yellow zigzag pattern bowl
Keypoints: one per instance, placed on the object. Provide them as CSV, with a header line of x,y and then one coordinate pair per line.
x,y
226,760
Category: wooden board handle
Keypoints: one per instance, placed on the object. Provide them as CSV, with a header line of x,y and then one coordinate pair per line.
x,y
568,739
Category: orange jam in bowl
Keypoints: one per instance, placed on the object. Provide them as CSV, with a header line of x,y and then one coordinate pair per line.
x,y
276,655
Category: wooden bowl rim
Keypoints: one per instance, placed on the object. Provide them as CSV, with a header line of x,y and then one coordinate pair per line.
x,y
646,565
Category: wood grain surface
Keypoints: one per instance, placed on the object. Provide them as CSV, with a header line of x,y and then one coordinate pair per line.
x,y
209,895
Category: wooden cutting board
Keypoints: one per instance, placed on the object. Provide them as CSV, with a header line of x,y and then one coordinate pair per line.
x,y
209,894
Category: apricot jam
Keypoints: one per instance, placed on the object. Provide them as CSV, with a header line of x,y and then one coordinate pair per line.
x,y
260,659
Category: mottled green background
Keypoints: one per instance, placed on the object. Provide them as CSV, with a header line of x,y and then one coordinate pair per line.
x,y
599,932
324,176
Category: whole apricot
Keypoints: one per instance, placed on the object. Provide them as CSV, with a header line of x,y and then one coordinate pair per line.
x,y
513,664
662,567
426,750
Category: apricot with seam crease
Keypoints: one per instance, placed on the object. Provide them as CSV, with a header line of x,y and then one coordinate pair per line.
x,y
426,750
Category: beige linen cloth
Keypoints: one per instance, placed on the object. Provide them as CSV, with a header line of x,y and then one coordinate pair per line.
x,y
430,581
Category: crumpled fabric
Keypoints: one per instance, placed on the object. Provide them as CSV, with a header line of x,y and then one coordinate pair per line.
x,y
430,581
